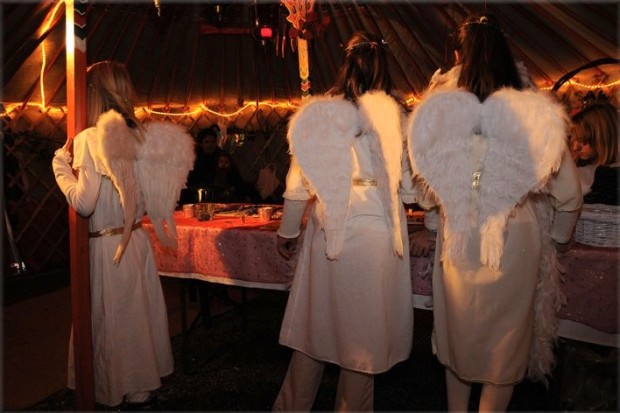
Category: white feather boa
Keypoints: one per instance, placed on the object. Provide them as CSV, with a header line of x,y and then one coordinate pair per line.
x,y
157,167
320,136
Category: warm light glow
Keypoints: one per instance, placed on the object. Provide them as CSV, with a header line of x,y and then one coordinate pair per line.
x,y
202,108
69,36
45,27
158,7
584,86
50,17
11,107
412,100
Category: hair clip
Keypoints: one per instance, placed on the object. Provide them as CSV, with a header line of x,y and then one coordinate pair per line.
x,y
373,45
484,20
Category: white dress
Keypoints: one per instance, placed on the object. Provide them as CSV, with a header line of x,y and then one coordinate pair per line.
x,y
495,282
131,342
355,311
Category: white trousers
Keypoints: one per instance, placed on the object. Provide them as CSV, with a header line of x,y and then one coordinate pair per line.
x,y
303,378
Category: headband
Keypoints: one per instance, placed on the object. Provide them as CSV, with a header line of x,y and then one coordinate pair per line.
x,y
373,45
483,20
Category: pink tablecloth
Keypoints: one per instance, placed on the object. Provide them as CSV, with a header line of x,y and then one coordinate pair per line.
x,y
229,251
591,286
225,250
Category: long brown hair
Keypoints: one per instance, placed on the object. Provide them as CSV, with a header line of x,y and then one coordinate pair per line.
x,y
365,67
110,87
486,59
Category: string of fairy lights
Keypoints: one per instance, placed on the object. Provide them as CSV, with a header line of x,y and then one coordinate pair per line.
x,y
181,111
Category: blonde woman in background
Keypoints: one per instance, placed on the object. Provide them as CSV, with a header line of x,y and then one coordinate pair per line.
x,y
594,143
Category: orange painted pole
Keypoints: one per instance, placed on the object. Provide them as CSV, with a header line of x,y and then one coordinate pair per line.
x,y
78,227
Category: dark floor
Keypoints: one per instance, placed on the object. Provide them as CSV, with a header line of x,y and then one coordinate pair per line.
x,y
237,364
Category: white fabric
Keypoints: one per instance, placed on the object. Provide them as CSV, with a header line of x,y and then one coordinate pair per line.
x,y
292,216
586,177
494,321
131,343
267,181
320,136
153,165
521,142
356,310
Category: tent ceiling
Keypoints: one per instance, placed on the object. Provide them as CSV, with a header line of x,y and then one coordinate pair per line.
x,y
199,53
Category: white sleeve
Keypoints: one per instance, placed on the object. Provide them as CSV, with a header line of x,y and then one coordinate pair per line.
x,y
81,191
292,215
296,184
431,219
407,188
566,199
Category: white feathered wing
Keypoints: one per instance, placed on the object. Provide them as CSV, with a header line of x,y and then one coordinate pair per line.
x,y
162,164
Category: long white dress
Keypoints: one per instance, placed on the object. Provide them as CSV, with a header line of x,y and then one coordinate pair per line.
x,y
131,342
355,311
503,177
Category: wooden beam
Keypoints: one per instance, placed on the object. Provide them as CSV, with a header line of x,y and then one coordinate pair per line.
x,y
78,226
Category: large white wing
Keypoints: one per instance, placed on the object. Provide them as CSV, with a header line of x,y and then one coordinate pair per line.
x,y
523,136
320,136
163,162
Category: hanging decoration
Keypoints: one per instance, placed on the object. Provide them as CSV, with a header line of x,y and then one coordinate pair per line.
x,y
310,27
298,16
158,7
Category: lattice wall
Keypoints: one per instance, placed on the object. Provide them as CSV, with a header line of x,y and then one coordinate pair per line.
x,y
36,209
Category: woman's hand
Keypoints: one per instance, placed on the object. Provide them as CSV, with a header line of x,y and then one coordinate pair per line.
x,y
422,242
287,247
68,144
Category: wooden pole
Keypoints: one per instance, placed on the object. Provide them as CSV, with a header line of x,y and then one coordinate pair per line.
x,y
78,226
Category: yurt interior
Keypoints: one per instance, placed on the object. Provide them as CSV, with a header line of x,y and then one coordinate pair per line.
x,y
242,69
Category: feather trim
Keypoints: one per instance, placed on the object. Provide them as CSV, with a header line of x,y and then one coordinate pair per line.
x,y
320,136
117,148
549,298
163,162
524,133
440,151
157,167
381,113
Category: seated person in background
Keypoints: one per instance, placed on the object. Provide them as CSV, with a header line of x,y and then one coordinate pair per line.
x,y
228,179
594,145
205,166
422,241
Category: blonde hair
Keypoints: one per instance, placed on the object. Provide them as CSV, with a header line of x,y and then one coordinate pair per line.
x,y
110,87
597,125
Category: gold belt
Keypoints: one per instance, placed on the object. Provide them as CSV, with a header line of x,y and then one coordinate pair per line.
x,y
113,231
364,182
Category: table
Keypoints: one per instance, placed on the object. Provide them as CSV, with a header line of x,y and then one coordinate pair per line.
x,y
231,251
590,276
227,250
